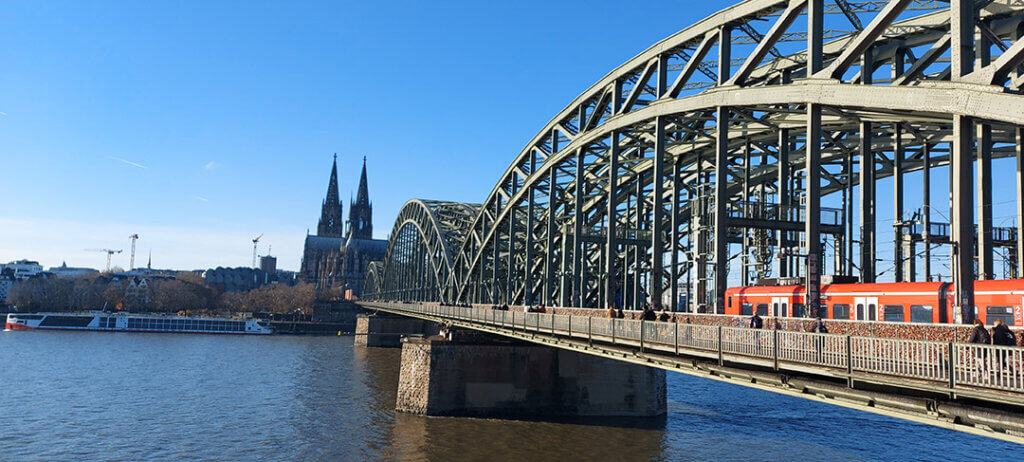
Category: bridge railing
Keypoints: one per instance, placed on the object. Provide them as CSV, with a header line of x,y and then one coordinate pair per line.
x,y
951,364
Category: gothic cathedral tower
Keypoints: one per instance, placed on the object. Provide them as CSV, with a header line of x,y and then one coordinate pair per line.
x,y
360,212
330,215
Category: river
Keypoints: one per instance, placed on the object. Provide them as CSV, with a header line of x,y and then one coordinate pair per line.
x,y
132,396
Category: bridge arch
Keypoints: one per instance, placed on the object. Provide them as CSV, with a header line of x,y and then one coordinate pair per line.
x,y
419,257
614,200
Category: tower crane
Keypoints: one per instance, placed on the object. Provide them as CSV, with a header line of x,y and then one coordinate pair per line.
x,y
131,262
254,243
109,254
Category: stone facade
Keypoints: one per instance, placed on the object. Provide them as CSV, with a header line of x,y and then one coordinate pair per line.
x,y
386,331
440,377
336,256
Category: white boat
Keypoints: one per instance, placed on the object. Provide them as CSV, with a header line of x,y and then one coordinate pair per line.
x,y
105,322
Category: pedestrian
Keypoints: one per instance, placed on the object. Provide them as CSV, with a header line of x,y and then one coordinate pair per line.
x,y
1002,335
620,314
664,316
611,312
756,322
819,340
648,314
819,326
979,336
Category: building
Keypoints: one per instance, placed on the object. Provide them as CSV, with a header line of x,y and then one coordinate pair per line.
x,y
138,293
6,281
65,271
268,264
23,269
337,256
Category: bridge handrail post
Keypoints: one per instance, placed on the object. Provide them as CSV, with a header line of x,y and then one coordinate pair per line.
x,y
536,324
590,335
641,336
849,361
775,348
570,325
721,358
613,330
676,339
552,316
951,364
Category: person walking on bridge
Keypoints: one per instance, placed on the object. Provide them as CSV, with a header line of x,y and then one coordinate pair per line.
x,y
979,336
1002,335
756,322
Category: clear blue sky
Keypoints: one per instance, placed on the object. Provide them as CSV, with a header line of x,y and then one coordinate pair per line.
x,y
199,125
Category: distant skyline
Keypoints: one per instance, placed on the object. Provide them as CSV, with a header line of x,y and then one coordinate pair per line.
x,y
200,125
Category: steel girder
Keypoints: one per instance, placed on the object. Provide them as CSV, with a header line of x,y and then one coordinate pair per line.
x,y
577,208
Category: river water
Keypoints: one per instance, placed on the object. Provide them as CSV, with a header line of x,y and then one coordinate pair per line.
x,y
125,396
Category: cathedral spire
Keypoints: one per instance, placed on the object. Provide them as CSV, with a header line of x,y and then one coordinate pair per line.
x,y
332,187
330,215
363,196
360,212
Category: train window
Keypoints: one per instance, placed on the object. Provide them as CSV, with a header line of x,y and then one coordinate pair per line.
x,y
893,313
762,309
746,309
785,309
775,309
860,312
920,313
840,311
730,301
999,312
871,311
798,310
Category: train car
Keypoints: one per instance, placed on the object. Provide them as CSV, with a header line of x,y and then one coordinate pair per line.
x,y
919,302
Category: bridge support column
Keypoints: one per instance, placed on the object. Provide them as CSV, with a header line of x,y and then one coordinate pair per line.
x,y
812,210
385,330
658,214
483,377
782,191
1020,200
721,215
867,204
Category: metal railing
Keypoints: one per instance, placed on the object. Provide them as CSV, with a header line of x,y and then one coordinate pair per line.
x,y
953,365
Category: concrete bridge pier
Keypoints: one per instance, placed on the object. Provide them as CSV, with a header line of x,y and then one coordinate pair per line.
x,y
386,330
489,377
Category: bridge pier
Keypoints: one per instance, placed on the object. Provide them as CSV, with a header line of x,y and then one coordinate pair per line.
x,y
485,376
386,330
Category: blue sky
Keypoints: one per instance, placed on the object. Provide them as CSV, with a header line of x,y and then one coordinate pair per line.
x,y
199,125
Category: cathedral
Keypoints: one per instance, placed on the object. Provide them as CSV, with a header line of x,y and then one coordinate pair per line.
x,y
338,254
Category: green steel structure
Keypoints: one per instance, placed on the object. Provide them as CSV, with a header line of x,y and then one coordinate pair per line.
x,y
716,147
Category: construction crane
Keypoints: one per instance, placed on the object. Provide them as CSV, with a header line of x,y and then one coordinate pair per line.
x,y
254,242
131,262
109,254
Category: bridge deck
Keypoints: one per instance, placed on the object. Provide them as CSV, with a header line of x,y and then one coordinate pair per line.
x,y
972,388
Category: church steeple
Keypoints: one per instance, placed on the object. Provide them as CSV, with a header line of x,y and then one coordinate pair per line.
x,y
360,212
330,214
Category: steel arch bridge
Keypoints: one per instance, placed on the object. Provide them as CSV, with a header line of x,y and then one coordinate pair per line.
x,y
710,149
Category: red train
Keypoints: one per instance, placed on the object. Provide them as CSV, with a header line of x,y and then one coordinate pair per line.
x,y
925,302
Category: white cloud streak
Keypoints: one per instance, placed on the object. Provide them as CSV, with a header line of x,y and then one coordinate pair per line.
x,y
133,164
211,165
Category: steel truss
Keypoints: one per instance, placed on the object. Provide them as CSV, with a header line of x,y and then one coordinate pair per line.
x,y
646,185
